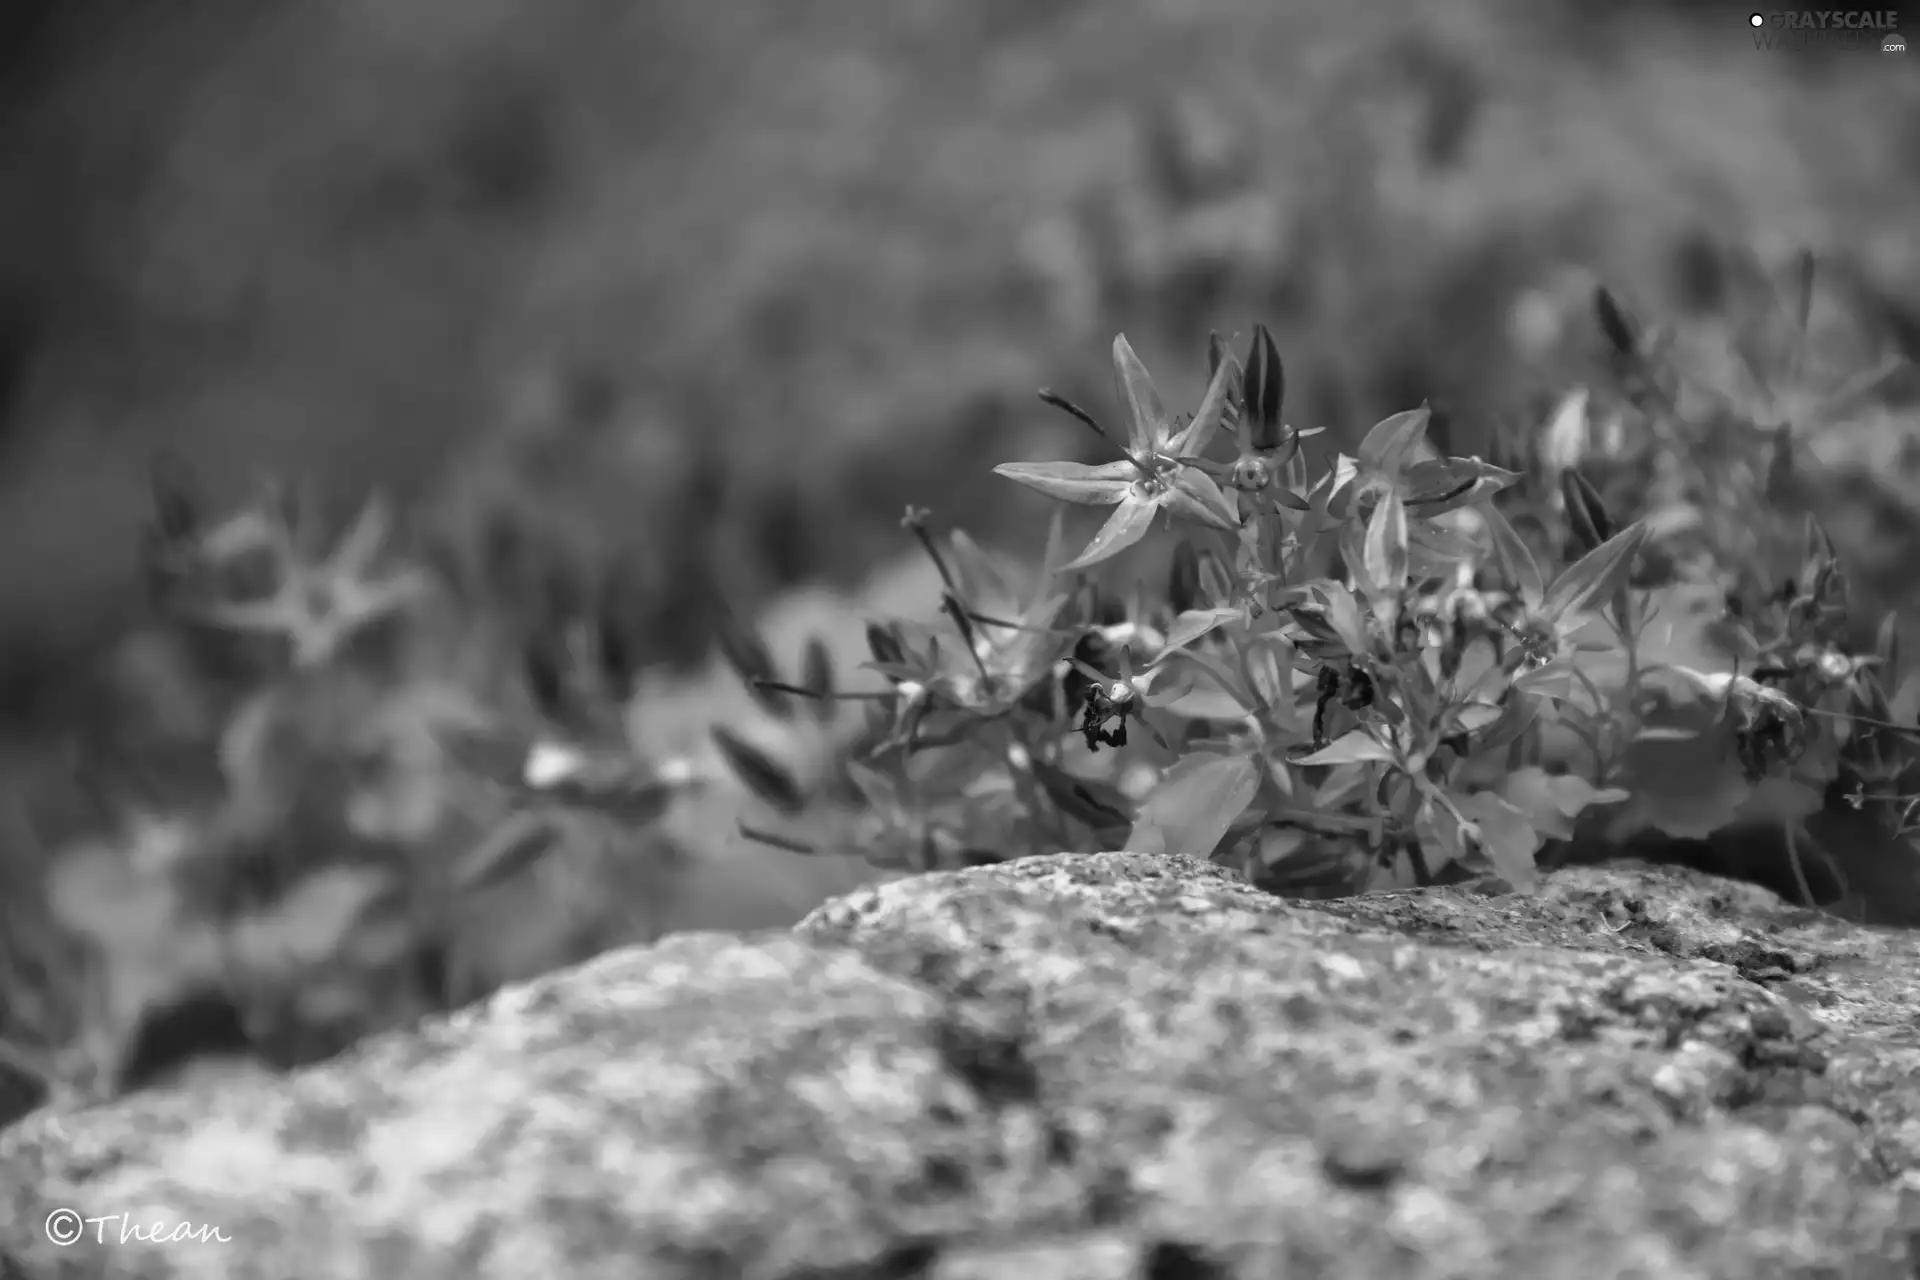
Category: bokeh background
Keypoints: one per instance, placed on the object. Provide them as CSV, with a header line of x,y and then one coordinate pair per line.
x,y
728,286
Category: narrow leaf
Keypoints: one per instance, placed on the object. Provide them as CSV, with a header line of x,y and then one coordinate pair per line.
x,y
816,677
1088,485
1552,802
1289,499
1344,616
1192,625
763,776
981,577
774,840
622,793
1183,578
1596,575
1517,714
1554,680
1126,526
1230,682
879,790
1511,551
1385,554
505,853
746,652
1356,746
1099,805
1215,578
1194,803
1447,484
1390,443
1508,839
1056,549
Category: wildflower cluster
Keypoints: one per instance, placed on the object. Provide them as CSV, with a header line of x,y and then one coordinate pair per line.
x,y
1406,668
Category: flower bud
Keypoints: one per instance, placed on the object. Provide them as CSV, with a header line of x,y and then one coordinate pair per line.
x,y
1586,513
1264,388
1614,322
1251,475
883,642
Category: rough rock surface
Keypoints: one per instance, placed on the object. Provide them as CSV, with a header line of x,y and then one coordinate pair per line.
x,y
1113,1067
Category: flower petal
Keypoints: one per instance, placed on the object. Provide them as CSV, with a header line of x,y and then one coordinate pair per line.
x,y
1126,526
1213,408
1191,493
1089,485
1147,420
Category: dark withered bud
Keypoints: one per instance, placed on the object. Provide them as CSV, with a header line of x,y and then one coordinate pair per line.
x,y
763,775
1586,513
883,642
1264,389
1618,328
816,677
1183,579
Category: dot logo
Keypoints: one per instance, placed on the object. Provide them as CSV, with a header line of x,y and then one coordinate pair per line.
x,y
1893,44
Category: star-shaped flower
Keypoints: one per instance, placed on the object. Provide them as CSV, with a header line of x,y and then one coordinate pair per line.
x,y
318,606
1154,474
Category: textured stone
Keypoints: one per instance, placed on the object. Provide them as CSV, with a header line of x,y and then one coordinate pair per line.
x,y
1113,1067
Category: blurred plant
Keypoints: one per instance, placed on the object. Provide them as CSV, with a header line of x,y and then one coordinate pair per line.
x,y
1777,481
379,808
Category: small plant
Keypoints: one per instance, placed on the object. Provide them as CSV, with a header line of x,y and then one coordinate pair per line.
x,y
1411,667
1667,609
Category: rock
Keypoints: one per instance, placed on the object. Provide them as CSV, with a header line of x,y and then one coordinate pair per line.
x,y
1105,1067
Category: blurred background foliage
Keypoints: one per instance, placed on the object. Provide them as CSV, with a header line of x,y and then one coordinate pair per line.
x,y
724,287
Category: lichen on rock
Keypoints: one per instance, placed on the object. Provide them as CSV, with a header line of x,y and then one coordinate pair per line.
x,y
1106,1065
